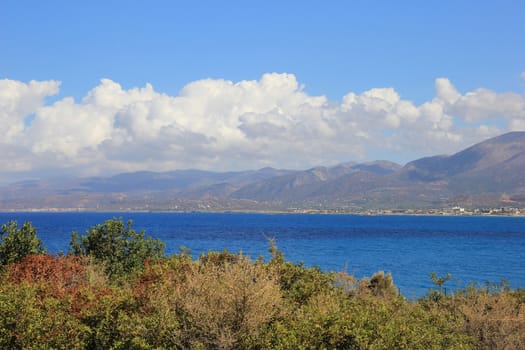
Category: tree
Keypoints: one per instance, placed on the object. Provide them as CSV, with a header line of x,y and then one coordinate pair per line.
x,y
380,285
117,245
440,281
17,243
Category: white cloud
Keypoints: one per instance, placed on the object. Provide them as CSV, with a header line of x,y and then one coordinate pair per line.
x,y
18,101
484,104
445,91
219,124
66,128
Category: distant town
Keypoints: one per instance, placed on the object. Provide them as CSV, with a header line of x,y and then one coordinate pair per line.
x,y
454,211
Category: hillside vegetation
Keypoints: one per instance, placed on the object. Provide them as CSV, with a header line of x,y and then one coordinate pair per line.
x,y
115,289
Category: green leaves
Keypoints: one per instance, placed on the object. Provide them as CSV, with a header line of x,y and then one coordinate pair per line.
x,y
17,243
116,245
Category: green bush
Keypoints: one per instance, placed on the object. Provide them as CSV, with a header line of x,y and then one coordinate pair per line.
x,y
117,245
17,243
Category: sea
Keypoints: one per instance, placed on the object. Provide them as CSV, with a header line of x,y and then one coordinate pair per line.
x,y
473,249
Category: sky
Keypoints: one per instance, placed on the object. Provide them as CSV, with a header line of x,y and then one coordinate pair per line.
x,y
96,88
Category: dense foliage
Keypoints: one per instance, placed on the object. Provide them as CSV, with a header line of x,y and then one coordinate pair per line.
x,y
17,243
224,300
115,244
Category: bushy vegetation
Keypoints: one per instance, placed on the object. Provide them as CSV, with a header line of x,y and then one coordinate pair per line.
x,y
225,300
116,245
17,243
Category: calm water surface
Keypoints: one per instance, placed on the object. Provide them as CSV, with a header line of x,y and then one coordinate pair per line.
x,y
472,249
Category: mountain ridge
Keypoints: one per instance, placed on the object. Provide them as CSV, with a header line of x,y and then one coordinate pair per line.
x,y
480,175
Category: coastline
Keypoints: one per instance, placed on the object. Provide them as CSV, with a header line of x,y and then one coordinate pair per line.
x,y
445,212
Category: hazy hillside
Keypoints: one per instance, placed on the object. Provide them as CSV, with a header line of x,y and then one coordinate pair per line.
x,y
481,175
317,182
493,166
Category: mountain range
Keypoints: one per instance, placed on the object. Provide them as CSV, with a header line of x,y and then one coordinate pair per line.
x,y
488,174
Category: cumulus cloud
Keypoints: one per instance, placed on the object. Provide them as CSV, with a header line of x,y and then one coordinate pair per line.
x,y
18,101
483,104
225,125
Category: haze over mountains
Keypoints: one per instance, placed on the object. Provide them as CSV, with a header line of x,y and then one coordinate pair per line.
x,y
491,173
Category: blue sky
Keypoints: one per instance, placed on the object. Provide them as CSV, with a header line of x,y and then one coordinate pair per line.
x,y
330,49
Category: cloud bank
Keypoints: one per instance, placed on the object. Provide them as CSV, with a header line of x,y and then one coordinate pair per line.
x,y
225,125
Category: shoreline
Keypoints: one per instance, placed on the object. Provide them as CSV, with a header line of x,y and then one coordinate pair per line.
x,y
492,212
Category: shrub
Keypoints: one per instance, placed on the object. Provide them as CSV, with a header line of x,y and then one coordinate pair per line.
x,y
298,282
495,317
17,243
379,285
116,245
29,320
62,275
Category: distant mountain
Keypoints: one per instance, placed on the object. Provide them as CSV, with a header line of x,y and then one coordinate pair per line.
x,y
312,182
490,173
175,180
493,166
479,175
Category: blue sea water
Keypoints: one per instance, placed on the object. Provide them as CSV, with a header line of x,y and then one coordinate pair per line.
x,y
472,249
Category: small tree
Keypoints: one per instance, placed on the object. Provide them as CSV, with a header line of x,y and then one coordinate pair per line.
x,y
17,243
116,245
440,282
379,285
